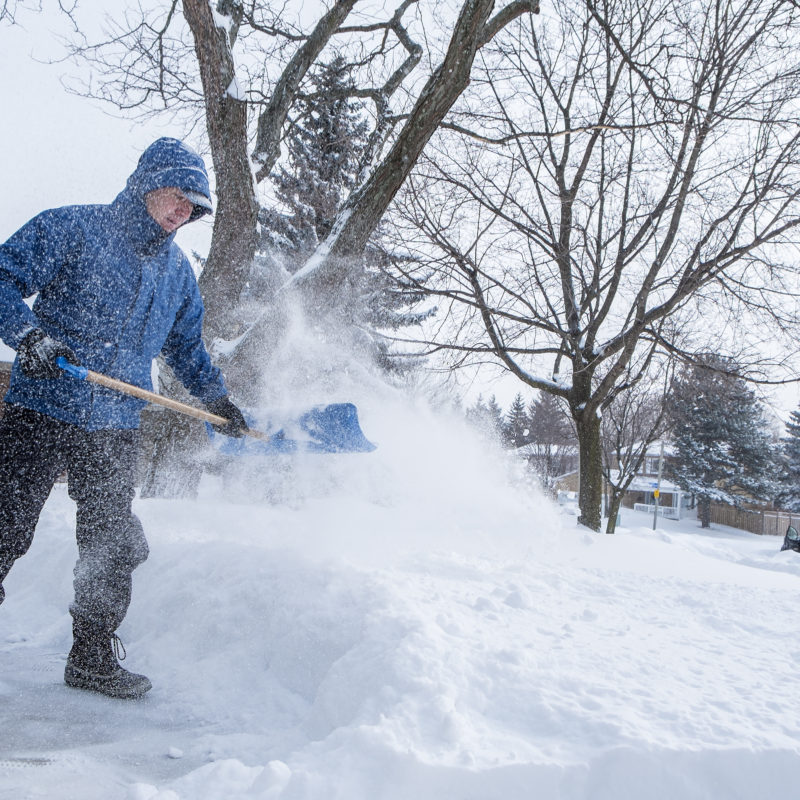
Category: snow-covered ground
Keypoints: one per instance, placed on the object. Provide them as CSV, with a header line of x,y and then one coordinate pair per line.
x,y
410,625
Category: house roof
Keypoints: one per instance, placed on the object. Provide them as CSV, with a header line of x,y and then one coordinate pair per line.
x,y
654,449
646,483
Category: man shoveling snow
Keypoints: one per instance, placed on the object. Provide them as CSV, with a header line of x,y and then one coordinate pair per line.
x,y
114,291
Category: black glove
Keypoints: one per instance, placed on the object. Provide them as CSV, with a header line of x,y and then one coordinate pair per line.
x,y
223,407
37,354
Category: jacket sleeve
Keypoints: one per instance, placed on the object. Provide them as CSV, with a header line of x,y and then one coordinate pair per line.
x,y
29,260
185,352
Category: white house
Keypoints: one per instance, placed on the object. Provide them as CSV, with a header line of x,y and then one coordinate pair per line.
x,y
673,502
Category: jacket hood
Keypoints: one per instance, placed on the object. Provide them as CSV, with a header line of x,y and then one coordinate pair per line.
x,y
170,162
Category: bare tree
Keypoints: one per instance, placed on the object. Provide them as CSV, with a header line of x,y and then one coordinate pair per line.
x,y
631,164
631,423
9,9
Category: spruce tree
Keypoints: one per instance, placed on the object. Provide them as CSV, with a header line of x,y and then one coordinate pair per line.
x,y
723,450
552,446
789,495
517,427
325,147
550,423
494,415
487,417
476,413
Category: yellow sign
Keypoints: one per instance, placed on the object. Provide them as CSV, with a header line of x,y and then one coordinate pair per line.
x,y
656,494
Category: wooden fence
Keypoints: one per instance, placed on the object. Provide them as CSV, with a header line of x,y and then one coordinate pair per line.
x,y
770,523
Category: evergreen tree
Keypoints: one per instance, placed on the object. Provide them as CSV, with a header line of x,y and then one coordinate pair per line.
x,y
552,447
487,417
723,450
517,427
494,416
789,494
476,414
550,423
325,147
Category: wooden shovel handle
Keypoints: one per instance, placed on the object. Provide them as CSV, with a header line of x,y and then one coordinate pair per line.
x,y
151,397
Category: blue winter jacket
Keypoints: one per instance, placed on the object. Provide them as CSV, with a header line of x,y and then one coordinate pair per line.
x,y
114,287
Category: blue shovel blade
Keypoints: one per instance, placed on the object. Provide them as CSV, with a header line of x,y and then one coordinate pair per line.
x,y
323,429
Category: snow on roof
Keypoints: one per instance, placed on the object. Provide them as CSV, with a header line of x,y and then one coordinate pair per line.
x,y
654,449
646,483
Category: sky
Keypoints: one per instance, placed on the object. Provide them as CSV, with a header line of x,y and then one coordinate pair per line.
x,y
60,149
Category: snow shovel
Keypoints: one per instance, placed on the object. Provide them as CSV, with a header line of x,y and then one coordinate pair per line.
x,y
323,429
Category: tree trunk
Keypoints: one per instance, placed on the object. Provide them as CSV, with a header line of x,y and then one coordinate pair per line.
x,y
704,511
613,509
234,240
590,470
169,443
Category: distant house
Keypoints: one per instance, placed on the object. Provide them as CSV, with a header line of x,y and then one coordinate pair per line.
x,y
673,502
549,463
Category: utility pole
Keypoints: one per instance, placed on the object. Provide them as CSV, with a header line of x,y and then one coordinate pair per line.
x,y
657,492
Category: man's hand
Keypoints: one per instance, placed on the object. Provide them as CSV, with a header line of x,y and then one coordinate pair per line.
x,y
223,407
37,354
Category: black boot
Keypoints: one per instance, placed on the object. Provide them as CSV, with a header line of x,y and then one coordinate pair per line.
x,y
92,664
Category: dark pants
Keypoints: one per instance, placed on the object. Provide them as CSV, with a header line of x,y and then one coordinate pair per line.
x,y
34,450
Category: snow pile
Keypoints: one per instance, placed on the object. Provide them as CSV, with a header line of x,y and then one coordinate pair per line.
x,y
408,624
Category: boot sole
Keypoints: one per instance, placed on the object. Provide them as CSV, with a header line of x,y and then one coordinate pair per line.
x,y
77,678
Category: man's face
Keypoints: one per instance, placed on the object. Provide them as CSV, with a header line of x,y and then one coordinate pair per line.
x,y
168,207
